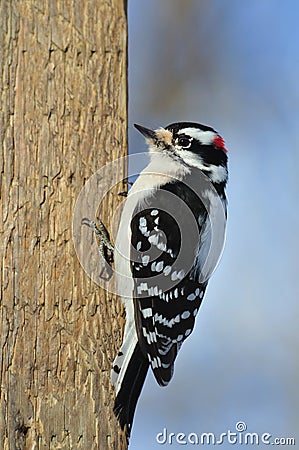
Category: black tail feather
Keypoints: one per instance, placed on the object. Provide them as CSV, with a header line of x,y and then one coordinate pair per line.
x,y
127,397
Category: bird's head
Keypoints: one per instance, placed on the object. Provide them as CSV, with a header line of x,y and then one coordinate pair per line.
x,y
192,144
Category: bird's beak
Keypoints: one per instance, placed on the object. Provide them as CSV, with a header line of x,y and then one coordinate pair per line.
x,y
147,132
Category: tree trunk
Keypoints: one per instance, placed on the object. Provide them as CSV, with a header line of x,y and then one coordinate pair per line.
x,y
63,116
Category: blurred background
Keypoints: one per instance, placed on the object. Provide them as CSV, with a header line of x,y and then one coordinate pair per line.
x,y
235,66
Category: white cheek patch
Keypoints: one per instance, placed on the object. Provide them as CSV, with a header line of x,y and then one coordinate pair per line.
x,y
217,173
204,137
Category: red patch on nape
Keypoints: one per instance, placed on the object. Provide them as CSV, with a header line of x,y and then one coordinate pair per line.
x,y
219,142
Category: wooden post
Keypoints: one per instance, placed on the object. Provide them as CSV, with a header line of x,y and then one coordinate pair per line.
x,y
63,115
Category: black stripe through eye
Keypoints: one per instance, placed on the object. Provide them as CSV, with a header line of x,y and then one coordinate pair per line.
x,y
184,141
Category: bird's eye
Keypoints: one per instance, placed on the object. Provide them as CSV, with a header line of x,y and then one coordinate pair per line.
x,y
184,142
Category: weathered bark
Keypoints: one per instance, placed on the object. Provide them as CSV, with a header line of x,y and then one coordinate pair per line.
x,y
63,116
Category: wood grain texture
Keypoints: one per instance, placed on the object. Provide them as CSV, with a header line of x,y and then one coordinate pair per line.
x,y
63,69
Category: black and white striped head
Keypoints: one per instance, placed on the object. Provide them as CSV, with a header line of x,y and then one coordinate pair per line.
x,y
192,144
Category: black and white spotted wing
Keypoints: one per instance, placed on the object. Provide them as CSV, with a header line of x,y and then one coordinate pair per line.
x,y
167,295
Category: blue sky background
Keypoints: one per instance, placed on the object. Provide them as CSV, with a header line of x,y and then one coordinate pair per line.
x,y
235,66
